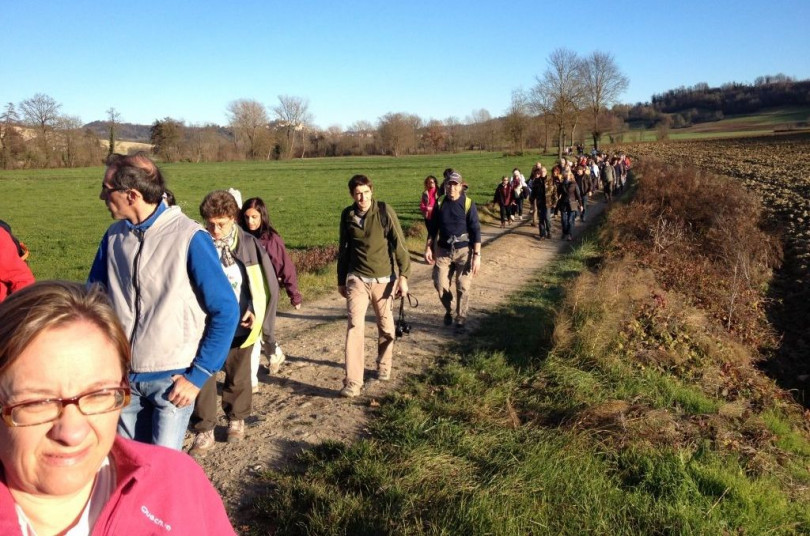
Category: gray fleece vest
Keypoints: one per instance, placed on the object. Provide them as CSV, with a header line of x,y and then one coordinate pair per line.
x,y
152,294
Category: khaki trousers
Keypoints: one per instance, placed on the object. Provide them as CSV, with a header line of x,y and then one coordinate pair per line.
x,y
450,264
358,296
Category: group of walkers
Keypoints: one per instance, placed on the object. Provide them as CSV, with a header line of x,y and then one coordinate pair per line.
x,y
169,302
193,300
565,192
95,374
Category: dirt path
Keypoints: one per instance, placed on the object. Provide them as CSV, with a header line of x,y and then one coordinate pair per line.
x,y
300,406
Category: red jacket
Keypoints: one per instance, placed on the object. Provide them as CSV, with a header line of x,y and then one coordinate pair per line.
x,y
503,195
14,273
159,491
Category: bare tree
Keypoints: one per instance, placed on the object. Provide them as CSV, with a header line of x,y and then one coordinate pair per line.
x,y
604,83
76,147
453,127
41,112
559,93
482,131
435,136
516,122
333,137
397,132
293,116
69,130
248,119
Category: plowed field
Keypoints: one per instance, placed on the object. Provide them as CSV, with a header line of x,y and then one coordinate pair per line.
x,y
778,169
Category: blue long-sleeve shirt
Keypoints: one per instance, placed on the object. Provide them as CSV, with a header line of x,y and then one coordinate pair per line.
x,y
216,299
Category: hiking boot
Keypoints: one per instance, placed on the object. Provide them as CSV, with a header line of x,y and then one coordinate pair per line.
x,y
203,442
236,430
350,391
384,375
448,319
276,359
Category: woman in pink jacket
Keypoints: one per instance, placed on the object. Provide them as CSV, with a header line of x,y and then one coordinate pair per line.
x,y
63,381
429,197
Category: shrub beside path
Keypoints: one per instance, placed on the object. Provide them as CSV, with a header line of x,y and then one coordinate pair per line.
x,y
300,407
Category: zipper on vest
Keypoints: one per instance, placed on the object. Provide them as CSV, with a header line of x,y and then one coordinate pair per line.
x,y
136,285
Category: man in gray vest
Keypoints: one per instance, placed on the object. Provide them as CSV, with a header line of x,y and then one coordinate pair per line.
x,y
165,282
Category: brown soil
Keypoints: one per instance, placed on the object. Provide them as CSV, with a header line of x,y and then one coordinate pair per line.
x,y
300,407
777,169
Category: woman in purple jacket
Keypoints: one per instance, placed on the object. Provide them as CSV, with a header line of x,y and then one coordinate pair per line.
x,y
254,219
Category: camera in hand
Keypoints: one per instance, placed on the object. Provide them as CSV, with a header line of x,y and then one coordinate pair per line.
x,y
403,327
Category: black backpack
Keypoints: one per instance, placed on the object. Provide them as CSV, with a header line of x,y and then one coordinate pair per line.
x,y
22,251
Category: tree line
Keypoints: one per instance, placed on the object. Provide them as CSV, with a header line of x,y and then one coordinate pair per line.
x,y
574,101
52,139
686,106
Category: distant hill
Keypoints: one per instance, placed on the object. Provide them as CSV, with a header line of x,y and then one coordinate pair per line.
x,y
687,106
123,131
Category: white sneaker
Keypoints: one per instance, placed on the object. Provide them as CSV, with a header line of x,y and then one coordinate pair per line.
x,y
276,359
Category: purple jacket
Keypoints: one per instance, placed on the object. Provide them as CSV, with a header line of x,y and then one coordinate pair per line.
x,y
158,491
283,264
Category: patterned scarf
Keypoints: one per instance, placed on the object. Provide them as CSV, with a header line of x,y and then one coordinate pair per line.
x,y
224,245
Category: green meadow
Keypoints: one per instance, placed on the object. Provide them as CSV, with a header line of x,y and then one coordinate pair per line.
x,y
58,214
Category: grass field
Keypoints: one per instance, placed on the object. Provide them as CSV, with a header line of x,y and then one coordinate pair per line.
x,y
58,214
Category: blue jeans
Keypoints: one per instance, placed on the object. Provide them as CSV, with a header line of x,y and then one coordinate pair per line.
x,y
569,217
151,418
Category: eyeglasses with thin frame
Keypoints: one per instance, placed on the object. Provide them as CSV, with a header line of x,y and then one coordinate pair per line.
x,y
106,190
221,225
33,412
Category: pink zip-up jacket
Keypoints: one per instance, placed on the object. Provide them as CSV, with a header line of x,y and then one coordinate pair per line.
x,y
159,491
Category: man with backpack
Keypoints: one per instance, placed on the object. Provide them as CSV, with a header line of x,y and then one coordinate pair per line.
x,y
373,266
14,272
454,248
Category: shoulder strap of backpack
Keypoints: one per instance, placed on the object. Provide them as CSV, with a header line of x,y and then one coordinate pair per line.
x,y
467,204
383,216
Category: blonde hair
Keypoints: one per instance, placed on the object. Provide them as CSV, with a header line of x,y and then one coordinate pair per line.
x,y
52,304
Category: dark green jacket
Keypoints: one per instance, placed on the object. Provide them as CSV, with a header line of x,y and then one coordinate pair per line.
x,y
370,250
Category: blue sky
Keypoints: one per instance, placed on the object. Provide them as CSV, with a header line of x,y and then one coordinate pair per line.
x,y
358,60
